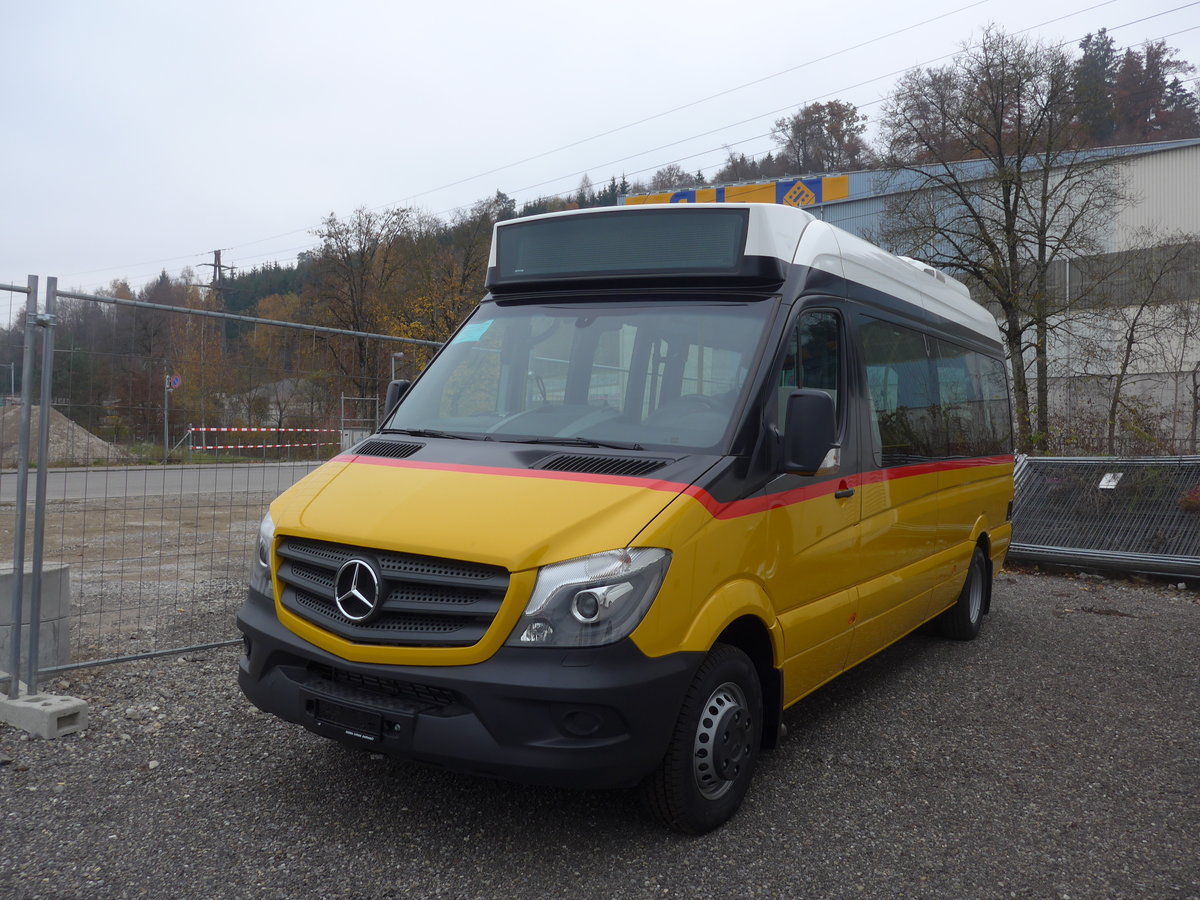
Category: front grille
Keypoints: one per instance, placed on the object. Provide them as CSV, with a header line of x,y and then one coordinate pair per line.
x,y
426,601
385,687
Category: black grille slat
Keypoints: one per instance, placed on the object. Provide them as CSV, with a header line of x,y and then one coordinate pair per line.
x,y
423,568
387,620
426,569
312,551
386,448
386,687
410,599
392,628
590,464
312,576
426,601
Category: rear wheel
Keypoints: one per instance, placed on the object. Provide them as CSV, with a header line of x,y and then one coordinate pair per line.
x,y
710,760
961,622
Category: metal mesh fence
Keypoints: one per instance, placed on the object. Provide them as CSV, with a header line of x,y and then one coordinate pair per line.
x,y
1135,515
160,465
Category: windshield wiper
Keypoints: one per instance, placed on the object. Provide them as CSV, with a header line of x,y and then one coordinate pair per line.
x,y
430,432
575,442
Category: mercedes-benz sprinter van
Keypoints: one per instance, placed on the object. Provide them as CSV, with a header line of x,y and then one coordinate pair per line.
x,y
682,466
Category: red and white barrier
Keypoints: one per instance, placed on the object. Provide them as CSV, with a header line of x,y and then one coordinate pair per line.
x,y
262,431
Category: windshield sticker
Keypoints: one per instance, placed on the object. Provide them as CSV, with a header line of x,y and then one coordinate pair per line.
x,y
473,332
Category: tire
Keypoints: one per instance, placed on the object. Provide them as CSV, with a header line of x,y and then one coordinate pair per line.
x,y
962,621
710,761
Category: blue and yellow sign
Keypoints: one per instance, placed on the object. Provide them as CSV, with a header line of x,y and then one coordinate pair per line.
x,y
788,192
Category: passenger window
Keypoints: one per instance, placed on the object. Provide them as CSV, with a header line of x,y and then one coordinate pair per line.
x,y
960,395
997,412
974,402
904,406
812,360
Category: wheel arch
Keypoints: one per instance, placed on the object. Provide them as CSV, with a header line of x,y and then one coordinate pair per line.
x,y
750,635
983,540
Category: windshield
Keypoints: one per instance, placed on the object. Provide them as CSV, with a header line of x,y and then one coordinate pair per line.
x,y
622,374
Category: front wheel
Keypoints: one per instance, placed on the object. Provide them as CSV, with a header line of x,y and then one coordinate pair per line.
x,y
709,763
961,622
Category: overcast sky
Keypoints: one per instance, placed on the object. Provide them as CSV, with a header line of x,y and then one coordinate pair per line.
x,y
141,136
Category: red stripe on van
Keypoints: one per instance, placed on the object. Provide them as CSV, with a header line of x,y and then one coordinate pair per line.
x,y
719,510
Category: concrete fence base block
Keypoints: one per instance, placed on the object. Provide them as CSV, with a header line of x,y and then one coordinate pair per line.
x,y
54,644
46,715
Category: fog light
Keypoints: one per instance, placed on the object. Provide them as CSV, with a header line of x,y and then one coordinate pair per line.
x,y
581,723
538,632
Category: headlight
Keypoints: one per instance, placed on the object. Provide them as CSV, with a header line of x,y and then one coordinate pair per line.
x,y
591,600
260,568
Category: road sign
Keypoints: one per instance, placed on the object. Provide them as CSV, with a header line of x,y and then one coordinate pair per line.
x,y
176,381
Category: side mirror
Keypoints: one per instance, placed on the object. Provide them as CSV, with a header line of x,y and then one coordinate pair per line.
x,y
810,445
395,393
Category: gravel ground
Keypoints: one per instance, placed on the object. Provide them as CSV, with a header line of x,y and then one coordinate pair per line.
x,y
1056,756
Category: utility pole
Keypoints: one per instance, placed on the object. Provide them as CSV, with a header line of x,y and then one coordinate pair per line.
x,y
217,285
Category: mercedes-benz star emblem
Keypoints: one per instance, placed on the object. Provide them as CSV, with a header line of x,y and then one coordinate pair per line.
x,y
356,590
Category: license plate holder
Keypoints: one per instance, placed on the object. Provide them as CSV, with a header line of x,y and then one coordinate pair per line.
x,y
360,723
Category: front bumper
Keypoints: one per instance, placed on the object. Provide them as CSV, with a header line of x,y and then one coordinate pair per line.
x,y
589,718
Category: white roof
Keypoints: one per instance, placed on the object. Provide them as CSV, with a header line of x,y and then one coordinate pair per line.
x,y
795,236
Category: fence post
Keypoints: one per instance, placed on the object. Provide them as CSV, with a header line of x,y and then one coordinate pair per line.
x,y
14,671
47,321
166,413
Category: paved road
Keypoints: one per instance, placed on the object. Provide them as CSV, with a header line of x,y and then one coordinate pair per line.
x,y
136,481
1056,756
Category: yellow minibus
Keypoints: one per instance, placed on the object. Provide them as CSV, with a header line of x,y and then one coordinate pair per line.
x,y
682,466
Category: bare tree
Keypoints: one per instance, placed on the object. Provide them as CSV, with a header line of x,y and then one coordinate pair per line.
x,y
672,178
1145,312
986,183
357,269
823,137
451,283
1194,422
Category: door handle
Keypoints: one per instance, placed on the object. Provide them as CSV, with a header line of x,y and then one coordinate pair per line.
x,y
844,494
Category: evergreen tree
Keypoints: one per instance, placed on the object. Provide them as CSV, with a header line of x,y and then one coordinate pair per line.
x,y
607,196
1148,106
1181,111
1095,78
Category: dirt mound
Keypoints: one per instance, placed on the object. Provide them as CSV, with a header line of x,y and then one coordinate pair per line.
x,y
69,444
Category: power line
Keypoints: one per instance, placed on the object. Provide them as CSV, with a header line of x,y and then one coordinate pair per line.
x,y
691,104
661,163
757,81
838,92
773,112
581,141
646,119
